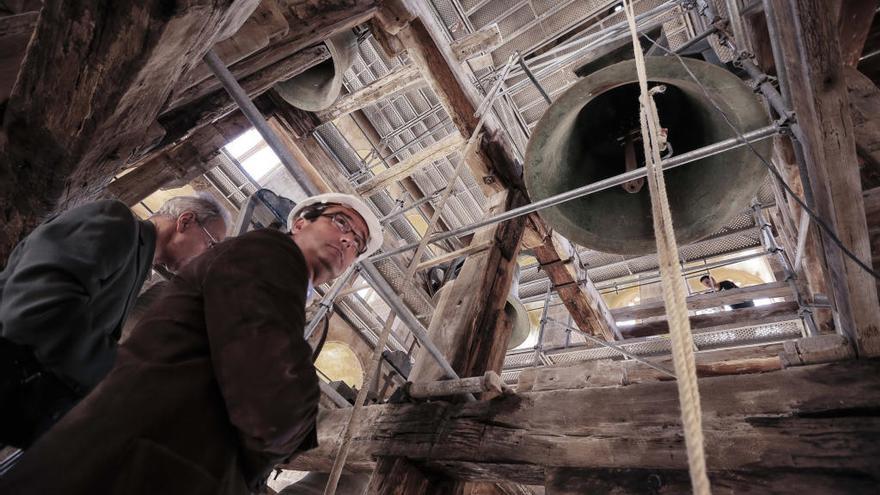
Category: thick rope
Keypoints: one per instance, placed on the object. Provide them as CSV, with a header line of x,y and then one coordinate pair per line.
x,y
674,292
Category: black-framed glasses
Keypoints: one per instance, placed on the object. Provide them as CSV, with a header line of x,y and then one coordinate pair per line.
x,y
212,241
343,223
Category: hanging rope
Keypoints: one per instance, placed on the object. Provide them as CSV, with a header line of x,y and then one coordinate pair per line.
x,y
674,292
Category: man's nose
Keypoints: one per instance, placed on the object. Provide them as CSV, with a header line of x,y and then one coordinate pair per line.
x,y
348,240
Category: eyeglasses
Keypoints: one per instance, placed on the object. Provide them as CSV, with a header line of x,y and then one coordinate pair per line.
x,y
212,241
343,223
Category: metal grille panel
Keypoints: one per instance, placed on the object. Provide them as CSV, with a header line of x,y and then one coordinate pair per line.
x,y
705,340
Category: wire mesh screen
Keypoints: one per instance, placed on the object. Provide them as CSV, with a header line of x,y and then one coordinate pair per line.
x,y
653,346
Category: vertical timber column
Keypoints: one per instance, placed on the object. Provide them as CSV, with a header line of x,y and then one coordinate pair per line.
x,y
810,48
469,324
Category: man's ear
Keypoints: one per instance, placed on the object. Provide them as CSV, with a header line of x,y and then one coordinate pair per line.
x,y
298,225
184,220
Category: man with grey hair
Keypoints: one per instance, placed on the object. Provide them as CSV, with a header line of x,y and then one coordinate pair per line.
x,y
66,291
217,384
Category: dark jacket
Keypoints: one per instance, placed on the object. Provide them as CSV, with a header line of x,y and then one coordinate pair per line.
x,y
728,285
213,388
68,286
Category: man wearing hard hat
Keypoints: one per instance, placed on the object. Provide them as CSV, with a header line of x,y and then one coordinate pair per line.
x,y
216,384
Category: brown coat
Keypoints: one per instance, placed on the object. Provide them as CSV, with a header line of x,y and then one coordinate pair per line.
x,y
213,388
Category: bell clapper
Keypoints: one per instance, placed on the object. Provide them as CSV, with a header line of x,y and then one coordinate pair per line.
x,y
629,153
629,141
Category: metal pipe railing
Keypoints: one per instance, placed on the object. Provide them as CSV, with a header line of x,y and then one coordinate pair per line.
x,y
384,290
615,348
241,98
691,156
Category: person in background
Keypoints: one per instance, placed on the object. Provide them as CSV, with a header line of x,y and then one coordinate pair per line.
x,y
216,384
66,291
709,282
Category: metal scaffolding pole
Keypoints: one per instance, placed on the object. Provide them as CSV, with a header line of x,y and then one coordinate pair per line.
x,y
384,290
769,244
691,156
256,118
653,277
548,61
539,345
328,299
616,348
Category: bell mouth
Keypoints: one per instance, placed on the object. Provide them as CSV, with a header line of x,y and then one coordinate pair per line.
x,y
521,327
586,134
318,88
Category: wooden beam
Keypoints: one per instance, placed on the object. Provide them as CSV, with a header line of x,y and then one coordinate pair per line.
x,y
611,373
469,324
854,18
307,26
758,315
471,45
426,55
741,360
864,105
266,25
401,79
411,165
810,48
185,160
586,306
709,300
15,32
637,481
88,94
398,476
184,120
756,424
443,258
812,273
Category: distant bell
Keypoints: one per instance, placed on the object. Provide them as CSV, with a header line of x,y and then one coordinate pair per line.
x,y
592,132
319,87
514,309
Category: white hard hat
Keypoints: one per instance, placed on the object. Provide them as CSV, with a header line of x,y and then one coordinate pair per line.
x,y
374,236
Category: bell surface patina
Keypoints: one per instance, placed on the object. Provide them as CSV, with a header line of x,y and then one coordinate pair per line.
x,y
587,132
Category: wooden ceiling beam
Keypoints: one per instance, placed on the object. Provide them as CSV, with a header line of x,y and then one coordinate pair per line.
x,y
183,120
411,165
756,424
88,94
186,159
306,27
401,79
709,300
758,315
582,300
854,18
264,27
446,84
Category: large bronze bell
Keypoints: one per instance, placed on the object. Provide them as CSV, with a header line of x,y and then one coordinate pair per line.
x,y
317,88
592,132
